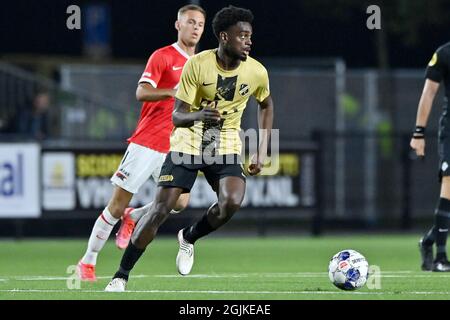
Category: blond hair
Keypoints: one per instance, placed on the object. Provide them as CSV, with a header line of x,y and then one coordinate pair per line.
x,y
188,7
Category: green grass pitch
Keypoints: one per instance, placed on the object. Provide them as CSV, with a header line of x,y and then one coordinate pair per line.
x,y
234,268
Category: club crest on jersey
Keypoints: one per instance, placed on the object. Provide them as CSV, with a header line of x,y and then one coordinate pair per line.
x,y
433,60
244,89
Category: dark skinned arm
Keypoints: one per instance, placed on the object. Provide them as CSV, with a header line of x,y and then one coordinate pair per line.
x,y
265,122
183,117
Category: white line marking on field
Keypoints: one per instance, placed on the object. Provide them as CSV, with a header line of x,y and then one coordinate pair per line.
x,y
384,274
230,292
50,278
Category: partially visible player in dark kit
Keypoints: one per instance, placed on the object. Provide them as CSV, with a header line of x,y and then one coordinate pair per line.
x,y
437,72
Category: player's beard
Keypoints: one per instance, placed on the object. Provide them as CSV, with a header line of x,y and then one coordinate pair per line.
x,y
235,55
242,56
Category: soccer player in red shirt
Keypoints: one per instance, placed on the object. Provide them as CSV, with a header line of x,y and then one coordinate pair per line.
x,y
149,143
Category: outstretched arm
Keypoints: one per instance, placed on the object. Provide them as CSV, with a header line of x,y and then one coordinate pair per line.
x,y
423,112
265,122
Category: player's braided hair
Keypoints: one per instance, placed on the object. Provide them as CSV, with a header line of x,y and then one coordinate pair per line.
x,y
228,17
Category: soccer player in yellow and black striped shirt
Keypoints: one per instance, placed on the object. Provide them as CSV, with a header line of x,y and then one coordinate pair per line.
x,y
214,89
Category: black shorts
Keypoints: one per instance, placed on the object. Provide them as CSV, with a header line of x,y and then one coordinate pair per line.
x,y
444,157
444,145
180,170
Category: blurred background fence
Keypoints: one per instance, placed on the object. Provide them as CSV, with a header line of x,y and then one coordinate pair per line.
x,y
344,144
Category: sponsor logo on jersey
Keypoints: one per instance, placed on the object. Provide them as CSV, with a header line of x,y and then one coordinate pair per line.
x,y
126,173
226,87
166,178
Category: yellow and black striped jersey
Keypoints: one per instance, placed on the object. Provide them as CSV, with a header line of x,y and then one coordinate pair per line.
x,y
203,81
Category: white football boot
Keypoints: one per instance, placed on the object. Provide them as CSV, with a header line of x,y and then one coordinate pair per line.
x,y
116,285
185,256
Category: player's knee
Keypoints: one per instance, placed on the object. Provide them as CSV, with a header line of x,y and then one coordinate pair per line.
x,y
230,205
116,208
145,233
160,211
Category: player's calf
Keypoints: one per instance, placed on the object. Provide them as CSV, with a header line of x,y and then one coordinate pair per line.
x,y
148,226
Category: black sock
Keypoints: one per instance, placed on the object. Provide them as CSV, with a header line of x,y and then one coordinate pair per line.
x,y
129,259
430,237
441,228
199,229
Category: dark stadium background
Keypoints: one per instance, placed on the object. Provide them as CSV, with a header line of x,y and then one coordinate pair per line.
x,y
307,40
282,28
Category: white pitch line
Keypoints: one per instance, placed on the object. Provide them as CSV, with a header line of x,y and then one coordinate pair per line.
x,y
385,274
50,278
231,292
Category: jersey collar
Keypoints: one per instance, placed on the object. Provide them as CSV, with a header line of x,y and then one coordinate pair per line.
x,y
181,51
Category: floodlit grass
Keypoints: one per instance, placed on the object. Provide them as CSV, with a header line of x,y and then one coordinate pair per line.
x,y
271,268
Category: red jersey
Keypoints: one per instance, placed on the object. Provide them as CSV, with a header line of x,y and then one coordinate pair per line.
x,y
155,125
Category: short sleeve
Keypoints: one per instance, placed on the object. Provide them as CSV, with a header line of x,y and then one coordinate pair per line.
x,y
154,69
263,89
436,69
188,86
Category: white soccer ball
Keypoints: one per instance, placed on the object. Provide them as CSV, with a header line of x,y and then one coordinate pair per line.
x,y
348,270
